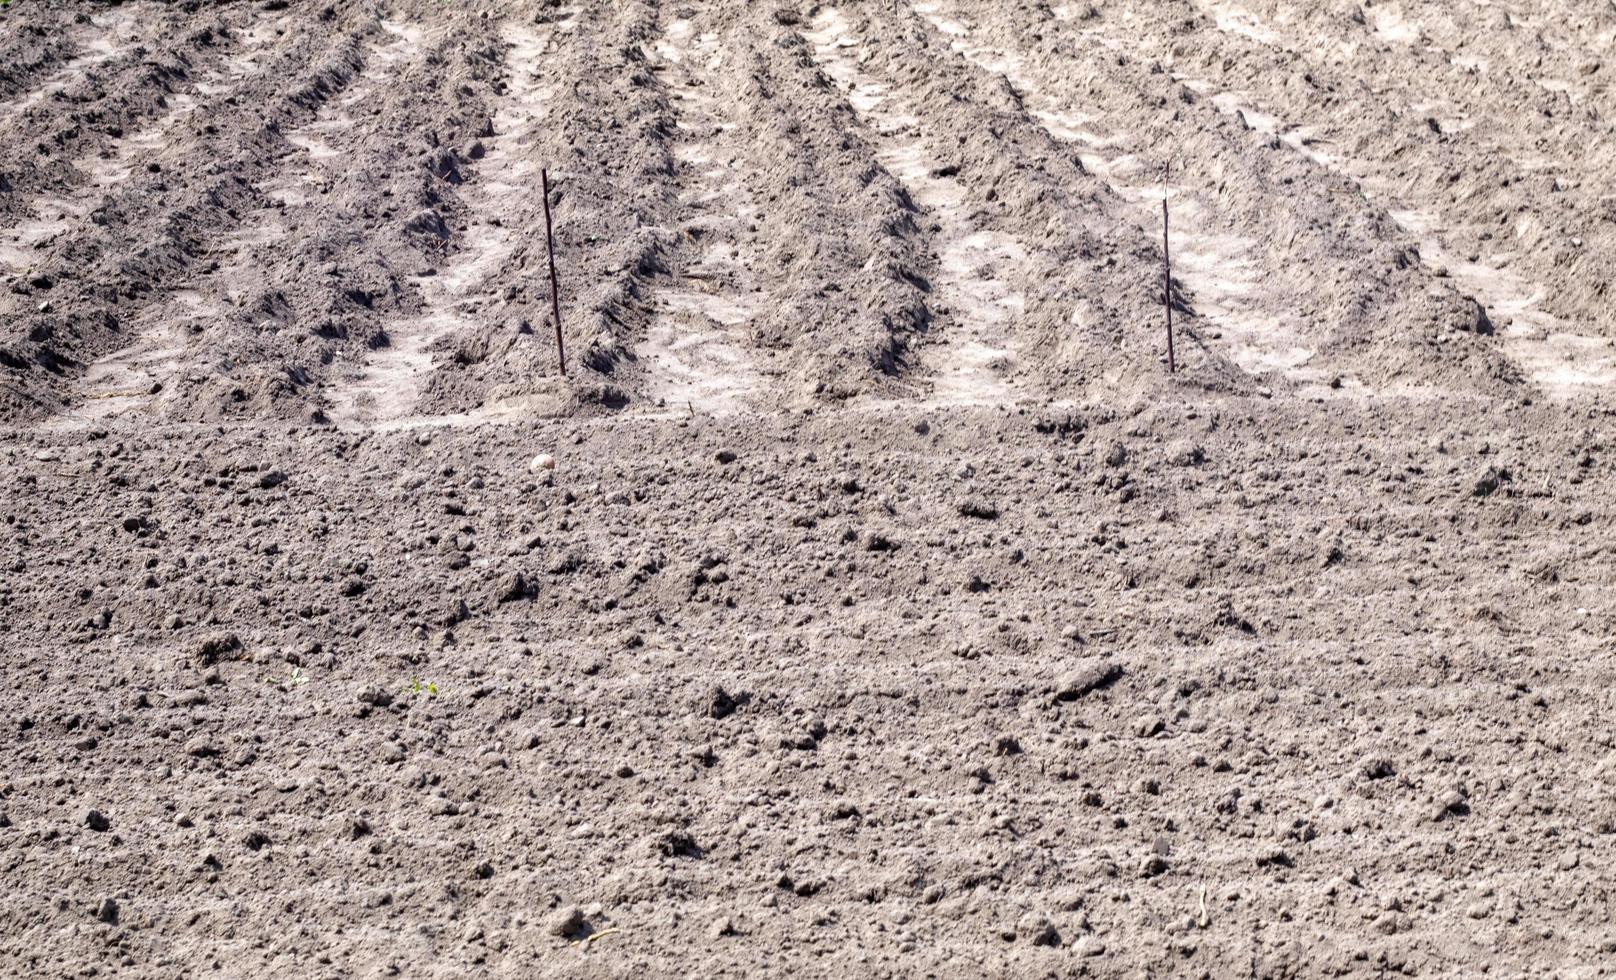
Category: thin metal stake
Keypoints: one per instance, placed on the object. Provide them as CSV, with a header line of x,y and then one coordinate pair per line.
x,y
1167,274
549,248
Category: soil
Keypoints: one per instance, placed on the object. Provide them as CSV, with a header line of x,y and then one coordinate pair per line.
x,y
867,598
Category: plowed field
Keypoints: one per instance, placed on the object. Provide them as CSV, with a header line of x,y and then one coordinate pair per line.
x,y
868,597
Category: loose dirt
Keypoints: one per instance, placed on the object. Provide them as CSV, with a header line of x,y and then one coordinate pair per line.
x,y
867,598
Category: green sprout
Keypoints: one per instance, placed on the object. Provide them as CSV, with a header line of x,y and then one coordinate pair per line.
x,y
430,688
297,679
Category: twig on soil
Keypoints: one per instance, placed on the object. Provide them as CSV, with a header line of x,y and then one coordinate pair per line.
x,y
1205,918
549,249
584,942
1167,274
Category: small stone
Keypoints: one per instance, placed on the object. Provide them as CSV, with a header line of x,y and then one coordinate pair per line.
x,y
1037,930
512,587
1148,725
202,747
719,703
978,508
1377,767
107,910
1089,676
209,651
1274,857
1490,480
566,921
1392,923
1116,455
542,462
1089,946
1452,804
677,844
375,696
97,821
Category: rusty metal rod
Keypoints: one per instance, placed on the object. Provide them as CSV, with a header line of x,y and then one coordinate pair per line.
x,y
555,297
1167,275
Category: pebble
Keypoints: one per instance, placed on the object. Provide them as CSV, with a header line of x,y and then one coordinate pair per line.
x,y
542,462
719,703
375,696
1090,676
977,507
1037,930
566,921
202,747
1274,857
97,821
512,586
1392,923
1377,767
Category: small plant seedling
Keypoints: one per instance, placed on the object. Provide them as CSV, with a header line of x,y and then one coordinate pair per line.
x,y
430,688
296,679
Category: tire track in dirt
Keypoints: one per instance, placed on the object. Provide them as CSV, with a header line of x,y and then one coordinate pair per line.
x,y
1089,274
216,84
1362,307
388,386
827,253
257,297
1221,269
1553,353
695,350
110,167
319,139
146,240
973,363
138,377
109,34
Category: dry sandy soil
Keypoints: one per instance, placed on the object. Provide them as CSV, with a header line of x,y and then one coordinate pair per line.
x,y
890,610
